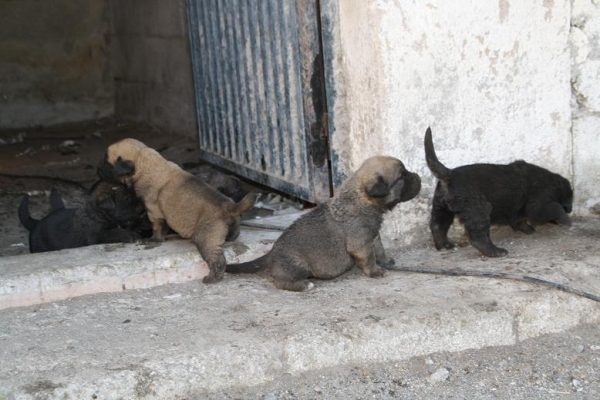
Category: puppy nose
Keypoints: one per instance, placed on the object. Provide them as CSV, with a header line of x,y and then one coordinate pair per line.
x,y
417,181
417,178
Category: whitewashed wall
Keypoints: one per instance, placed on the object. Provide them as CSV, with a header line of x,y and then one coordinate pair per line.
x,y
491,77
585,50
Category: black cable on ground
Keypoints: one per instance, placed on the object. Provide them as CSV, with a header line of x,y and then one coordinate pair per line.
x,y
501,275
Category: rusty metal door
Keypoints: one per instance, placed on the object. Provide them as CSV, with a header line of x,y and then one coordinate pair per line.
x,y
260,97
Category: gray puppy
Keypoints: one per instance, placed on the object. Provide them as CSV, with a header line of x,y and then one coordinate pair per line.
x,y
340,233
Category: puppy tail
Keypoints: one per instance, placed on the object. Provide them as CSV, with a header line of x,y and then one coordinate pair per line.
x,y
24,215
56,202
437,168
244,204
249,267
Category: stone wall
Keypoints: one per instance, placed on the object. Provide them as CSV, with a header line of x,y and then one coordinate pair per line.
x,y
152,65
585,81
54,62
491,77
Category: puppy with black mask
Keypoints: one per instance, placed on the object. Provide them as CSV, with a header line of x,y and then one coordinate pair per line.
x,y
340,233
518,194
177,200
107,217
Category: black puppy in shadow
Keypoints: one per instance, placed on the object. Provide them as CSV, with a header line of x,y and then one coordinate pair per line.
x,y
518,194
111,214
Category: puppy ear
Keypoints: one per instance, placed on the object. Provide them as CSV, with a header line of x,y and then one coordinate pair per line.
x,y
56,201
378,189
103,170
123,168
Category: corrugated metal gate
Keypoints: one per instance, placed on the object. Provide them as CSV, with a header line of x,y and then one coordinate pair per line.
x,y
258,74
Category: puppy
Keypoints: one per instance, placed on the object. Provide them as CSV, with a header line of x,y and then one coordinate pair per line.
x,y
102,220
518,194
229,185
124,199
340,233
178,199
56,202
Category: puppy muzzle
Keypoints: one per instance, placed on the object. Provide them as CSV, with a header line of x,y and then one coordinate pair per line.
x,y
411,188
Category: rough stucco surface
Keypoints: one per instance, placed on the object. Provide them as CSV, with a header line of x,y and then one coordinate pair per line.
x,y
585,47
492,79
53,62
152,64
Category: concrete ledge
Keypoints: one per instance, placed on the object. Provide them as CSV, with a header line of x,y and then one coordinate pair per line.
x,y
45,277
179,341
188,339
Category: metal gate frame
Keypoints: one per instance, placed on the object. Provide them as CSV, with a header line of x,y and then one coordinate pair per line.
x,y
227,118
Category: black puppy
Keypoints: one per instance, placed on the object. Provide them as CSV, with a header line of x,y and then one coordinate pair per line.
x,y
229,185
518,194
130,204
107,216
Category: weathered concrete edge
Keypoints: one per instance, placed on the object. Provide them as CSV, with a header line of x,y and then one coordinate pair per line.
x,y
523,316
99,276
103,278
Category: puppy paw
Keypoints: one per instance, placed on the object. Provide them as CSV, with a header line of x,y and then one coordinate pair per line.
x,y
294,286
523,226
156,239
211,278
389,262
215,275
445,246
496,252
488,249
376,272
528,230
565,222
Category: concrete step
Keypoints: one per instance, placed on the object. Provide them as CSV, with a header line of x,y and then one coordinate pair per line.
x,y
182,340
44,277
58,275
188,339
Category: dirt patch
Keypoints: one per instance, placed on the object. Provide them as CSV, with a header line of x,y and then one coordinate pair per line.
x,y
33,161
